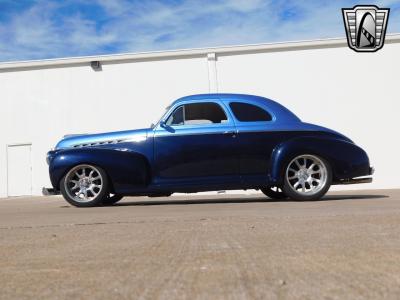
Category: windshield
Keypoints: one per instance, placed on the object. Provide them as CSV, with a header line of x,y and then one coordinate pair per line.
x,y
165,111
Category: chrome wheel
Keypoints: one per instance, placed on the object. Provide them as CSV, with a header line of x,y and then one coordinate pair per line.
x,y
307,175
83,183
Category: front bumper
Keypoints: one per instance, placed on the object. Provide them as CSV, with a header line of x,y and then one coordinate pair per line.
x,y
50,191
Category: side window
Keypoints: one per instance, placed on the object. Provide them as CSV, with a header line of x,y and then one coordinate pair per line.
x,y
197,114
204,113
176,118
246,112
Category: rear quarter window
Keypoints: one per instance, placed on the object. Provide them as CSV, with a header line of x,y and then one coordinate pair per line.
x,y
245,112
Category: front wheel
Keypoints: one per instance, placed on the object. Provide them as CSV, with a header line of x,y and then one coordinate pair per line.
x,y
307,177
85,186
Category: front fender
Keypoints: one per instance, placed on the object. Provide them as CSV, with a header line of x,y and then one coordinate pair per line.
x,y
346,159
122,167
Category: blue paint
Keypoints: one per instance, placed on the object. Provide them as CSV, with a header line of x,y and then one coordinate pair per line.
x,y
192,158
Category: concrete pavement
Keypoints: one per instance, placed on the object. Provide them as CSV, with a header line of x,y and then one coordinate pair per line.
x,y
346,246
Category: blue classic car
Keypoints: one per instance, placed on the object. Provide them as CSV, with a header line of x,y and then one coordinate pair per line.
x,y
206,143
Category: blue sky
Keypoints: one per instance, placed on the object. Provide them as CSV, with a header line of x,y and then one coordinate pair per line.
x,y
49,29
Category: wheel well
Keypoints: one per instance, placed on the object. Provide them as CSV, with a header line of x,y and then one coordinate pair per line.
x,y
110,183
289,157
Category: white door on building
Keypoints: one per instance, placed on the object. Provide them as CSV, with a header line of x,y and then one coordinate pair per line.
x,y
19,170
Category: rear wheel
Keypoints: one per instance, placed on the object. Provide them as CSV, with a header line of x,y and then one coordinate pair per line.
x,y
274,192
85,186
307,177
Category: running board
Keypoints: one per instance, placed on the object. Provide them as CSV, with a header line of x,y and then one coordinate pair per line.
x,y
356,180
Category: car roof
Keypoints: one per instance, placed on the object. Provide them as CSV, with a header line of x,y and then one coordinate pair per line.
x,y
278,109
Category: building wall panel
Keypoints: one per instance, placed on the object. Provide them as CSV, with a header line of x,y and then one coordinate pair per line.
x,y
354,93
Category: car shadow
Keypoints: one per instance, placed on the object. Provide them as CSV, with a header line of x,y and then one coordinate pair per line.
x,y
242,200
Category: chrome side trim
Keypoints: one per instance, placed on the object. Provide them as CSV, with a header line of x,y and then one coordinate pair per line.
x,y
98,143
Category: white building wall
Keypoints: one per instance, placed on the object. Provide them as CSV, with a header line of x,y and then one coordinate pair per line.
x,y
40,106
354,93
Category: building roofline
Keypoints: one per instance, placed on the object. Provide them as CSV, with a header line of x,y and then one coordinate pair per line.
x,y
184,53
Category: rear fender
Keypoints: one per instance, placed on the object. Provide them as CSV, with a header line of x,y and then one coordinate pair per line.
x,y
122,167
346,159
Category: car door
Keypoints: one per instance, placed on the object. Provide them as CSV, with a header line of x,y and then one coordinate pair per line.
x,y
255,139
195,144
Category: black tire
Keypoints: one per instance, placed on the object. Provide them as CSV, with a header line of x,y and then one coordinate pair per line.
x,y
72,198
274,192
299,194
111,200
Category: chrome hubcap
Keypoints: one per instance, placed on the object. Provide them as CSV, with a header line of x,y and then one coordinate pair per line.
x,y
306,174
83,183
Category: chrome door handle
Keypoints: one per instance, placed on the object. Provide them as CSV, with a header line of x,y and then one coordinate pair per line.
x,y
230,132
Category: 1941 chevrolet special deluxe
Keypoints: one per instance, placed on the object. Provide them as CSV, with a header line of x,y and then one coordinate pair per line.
x,y
208,142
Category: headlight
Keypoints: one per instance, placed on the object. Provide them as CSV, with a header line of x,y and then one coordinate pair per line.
x,y
49,156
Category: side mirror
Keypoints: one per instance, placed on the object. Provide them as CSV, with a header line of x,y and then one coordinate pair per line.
x,y
166,127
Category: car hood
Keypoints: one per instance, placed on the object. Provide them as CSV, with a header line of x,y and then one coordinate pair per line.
x,y
98,139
